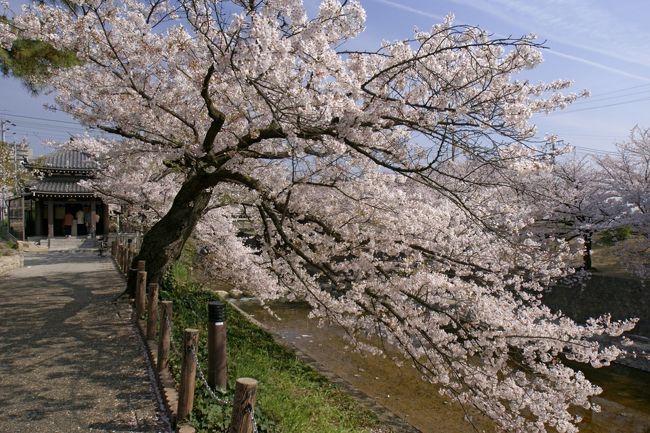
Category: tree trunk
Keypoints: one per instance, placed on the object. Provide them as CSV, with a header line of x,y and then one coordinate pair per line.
x,y
586,255
164,242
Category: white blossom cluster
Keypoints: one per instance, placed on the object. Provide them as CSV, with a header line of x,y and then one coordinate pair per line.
x,y
627,179
383,187
7,34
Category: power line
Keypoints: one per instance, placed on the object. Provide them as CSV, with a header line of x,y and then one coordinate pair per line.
x,y
564,135
9,114
599,99
592,150
602,106
25,129
37,123
624,89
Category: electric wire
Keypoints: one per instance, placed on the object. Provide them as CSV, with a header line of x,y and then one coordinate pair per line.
x,y
598,107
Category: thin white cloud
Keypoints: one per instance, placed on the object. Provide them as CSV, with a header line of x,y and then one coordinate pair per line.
x,y
576,23
598,65
614,70
410,9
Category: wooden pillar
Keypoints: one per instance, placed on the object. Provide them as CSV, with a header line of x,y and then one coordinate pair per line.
x,y
188,373
126,263
141,295
50,219
106,220
120,252
93,218
164,339
38,218
152,311
243,406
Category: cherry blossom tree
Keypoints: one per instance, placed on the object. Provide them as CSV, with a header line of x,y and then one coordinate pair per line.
x,y
13,175
340,162
7,177
627,176
32,61
573,201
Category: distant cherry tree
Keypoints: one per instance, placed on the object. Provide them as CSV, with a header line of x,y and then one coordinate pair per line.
x,y
13,175
627,177
574,201
379,186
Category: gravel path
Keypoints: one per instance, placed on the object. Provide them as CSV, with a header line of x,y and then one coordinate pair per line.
x,y
70,359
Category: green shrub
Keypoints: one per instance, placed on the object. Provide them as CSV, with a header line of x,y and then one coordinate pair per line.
x,y
611,236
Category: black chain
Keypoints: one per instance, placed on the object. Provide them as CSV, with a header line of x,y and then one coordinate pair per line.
x,y
219,400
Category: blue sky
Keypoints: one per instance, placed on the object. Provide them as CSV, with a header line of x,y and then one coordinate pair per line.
x,y
603,46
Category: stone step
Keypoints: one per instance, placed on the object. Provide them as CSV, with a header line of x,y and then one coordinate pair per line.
x,y
72,244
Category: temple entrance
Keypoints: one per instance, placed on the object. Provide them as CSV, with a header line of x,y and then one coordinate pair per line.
x,y
74,219
56,205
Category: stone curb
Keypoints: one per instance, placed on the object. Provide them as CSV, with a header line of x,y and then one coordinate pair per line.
x,y
165,381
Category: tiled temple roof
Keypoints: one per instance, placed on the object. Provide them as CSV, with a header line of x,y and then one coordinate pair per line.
x,y
60,173
69,160
58,187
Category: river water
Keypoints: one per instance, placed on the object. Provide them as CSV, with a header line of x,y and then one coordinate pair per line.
x,y
625,401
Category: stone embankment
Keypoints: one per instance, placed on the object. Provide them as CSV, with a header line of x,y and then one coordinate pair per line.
x,y
9,263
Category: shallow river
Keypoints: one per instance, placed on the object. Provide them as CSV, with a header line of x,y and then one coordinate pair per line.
x,y
625,402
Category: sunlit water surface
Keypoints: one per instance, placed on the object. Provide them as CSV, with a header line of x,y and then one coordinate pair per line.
x,y
625,401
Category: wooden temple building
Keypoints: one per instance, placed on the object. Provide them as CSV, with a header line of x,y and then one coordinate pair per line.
x,y
55,205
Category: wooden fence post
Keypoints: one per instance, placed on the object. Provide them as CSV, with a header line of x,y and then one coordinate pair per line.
x,y
243,406
125,254
141,295
128,257
188,374
152,311
164,339
141,265
217,355
120,254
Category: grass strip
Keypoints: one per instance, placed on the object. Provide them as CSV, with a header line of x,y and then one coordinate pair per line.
x,y
291,398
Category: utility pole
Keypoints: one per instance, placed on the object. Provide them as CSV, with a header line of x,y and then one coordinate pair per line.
x,y
4,128
554,149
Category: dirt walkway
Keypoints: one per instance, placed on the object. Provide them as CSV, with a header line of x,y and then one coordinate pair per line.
x,y
70,360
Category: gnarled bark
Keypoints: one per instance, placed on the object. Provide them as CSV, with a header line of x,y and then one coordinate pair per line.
x,y
164,242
